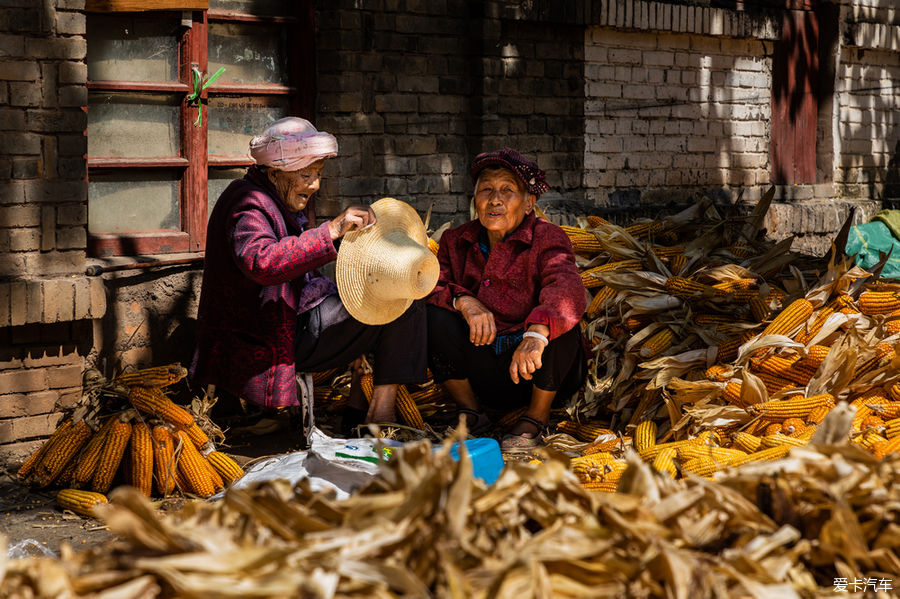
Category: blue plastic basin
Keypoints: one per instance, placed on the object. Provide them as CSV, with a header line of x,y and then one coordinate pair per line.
x,y
487,459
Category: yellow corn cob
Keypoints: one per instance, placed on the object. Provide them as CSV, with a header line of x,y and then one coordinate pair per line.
x,y
780,439
598,472
594,459
892,428
793,427
31,463
719,373
722,455
884,353
606,446
687,288
368,386
433,246
80,502
644,435
889,411
596,221
764,455
65,477
705,320
870,439
590,281
322,377
633,323
651,452
111,456
815,357
871,422
90,457
678,263
153,401
893,326
805,335
741,250
408,410
164,464
728,349
759,308
873,397
583,431
773,428
227,468
157,376
649,398
894,391
736,285
586,245
217,480
64,450
878,302
657,343
668,252
773,383
603,294
427,394
881,449
141,459
794,407
645,229
664,462
797,313
785,368
196,435
817,415
703,466
193,469
732,394
746,442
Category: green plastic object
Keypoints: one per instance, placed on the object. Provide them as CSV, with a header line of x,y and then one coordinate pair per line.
x,y
866,242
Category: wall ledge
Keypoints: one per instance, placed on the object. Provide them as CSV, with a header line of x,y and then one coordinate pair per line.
x,y
51,299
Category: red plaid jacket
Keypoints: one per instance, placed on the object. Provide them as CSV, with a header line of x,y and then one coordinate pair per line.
x,y
529,278
258,275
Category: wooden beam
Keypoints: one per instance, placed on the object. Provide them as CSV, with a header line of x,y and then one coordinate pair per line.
x,y
143,5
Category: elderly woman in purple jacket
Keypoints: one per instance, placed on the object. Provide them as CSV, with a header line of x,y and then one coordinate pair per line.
x,y
265,313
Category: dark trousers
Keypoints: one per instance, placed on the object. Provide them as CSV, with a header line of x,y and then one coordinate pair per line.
x,y
328,337
452,356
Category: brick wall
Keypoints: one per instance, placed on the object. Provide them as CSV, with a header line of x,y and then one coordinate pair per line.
x,y
868,118
414,89
46,302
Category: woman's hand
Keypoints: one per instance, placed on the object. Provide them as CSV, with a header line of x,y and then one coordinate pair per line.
x,y
527,357
353,218
482,328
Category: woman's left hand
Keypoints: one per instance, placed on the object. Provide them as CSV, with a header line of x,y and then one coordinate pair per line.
x,y
526,359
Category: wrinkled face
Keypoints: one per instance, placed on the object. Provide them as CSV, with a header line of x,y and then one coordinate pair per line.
x,y
501,201
297,187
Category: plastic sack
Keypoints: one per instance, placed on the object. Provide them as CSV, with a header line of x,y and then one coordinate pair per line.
x,y
28,548
866,241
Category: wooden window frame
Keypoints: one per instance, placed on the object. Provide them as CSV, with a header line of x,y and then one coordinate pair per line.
x,y
194,156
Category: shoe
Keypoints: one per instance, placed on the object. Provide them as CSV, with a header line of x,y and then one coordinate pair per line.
x,y
480,426
524,441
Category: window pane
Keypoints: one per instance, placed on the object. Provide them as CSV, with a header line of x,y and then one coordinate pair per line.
x,y
219,178
234,120
133,125
128,48
249,53
133,201
267,8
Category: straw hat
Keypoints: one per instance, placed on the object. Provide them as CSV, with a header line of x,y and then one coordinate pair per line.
x,y
382,269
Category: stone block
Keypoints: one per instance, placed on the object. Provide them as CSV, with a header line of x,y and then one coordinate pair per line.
x,y
19,70
66,304
72,95
71,72
48,228
24,240
34,302
68,397
5,312
17,303
22,216
70,238
64,376
57,121
23,381
71,215
28,427
70,23
56,262
16,405
66,48
98,297
26,167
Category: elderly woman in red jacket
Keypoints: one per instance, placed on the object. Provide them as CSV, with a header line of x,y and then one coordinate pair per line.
x,y
265,313
503,319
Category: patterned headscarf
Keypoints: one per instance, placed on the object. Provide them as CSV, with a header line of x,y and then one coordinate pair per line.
x,y
291,144
526,170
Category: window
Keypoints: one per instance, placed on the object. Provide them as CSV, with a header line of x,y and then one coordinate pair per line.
x,y
157,157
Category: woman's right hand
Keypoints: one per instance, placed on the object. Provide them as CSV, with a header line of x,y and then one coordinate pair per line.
x,y
353,218
482,328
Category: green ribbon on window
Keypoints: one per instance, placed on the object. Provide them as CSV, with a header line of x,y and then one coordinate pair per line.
x,y
199,85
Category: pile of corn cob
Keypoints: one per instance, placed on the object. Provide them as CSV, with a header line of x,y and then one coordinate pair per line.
x,y
718,349
146,440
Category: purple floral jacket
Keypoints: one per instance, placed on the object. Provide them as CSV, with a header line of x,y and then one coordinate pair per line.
x,y
259,275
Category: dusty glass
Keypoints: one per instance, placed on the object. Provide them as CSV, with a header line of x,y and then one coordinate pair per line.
x,y
268,8
234,120
130,48
134,201
250,53
130,125
218,180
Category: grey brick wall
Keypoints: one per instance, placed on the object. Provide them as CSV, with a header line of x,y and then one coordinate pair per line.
x,y
414,90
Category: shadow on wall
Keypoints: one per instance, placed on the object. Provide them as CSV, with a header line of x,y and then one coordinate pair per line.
x,y
150,319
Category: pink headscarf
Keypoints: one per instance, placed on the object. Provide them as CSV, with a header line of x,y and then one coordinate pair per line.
x,y
291,144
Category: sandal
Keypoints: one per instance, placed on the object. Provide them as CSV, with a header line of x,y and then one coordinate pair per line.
x,y
480,426
524,441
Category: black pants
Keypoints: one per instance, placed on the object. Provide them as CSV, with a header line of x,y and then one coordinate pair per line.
x,y
328,337
452,356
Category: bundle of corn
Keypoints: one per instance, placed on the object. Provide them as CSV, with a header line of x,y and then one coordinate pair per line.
x,y
130,432
424,527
